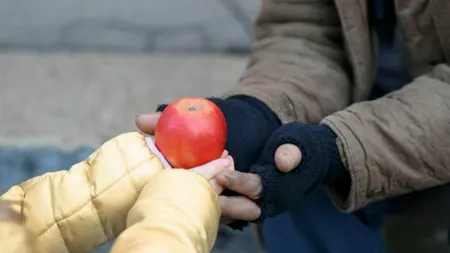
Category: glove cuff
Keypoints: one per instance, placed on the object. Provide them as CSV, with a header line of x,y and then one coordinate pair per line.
x,y
337,176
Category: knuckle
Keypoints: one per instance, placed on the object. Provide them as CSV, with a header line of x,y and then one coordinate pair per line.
x,y
222,178
235,178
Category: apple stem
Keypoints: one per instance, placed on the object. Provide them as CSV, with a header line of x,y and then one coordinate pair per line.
x,y
192,108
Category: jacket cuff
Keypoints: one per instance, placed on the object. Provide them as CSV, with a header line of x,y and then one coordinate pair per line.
x,y
352,156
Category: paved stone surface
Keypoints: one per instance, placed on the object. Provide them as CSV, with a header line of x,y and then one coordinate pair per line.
x,y
54,108
133,25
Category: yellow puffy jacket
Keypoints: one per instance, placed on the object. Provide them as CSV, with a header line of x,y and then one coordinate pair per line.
x,y
120,189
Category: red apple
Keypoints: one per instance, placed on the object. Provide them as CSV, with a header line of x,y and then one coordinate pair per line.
x,y
191,132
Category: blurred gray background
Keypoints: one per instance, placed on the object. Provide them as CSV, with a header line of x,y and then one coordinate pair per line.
x,y
134,25
74,73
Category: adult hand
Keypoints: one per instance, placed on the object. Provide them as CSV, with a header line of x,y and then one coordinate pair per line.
x,y
287,156
147,122
210,170
249,124
243,208
319,164
247,185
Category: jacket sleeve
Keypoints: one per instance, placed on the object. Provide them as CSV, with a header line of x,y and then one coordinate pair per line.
x,y
298,66
14,238
80,209
397,144
177,211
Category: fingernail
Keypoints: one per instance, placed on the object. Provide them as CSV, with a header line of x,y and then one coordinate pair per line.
x,y
287,158
141,115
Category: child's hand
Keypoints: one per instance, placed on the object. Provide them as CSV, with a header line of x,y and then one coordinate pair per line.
x,y
208,171
211,169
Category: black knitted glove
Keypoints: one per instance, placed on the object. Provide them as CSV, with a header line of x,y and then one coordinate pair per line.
x,y
249,124
320,164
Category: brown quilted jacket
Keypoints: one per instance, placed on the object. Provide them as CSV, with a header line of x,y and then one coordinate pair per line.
x,y
315,61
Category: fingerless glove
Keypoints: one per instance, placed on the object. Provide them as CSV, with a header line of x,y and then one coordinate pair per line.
x,y
320,164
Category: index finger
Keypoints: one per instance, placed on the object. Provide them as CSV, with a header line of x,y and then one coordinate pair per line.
x,y
246,184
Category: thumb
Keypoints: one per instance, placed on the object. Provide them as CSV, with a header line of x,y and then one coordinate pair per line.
x,y
147,122
211,169
287,157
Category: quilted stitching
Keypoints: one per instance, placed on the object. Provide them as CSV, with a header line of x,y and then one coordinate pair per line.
x,y
129,159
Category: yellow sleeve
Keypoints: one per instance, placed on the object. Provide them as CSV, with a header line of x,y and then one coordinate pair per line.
x,y
176,212
80,209
13,236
